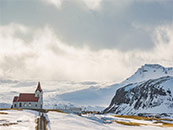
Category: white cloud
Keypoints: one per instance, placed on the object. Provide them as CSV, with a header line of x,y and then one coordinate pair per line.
x,y
91,4
56,3
46,57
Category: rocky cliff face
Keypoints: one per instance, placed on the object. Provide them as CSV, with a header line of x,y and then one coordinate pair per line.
x,y
148,96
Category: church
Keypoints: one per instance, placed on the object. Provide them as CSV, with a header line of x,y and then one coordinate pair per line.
x,y
29,100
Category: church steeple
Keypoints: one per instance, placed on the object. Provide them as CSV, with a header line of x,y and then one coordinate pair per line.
x,y
38,87
39,93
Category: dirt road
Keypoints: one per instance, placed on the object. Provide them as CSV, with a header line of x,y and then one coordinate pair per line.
x,y
41,122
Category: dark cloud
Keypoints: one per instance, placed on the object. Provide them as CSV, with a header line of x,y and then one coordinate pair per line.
x,y
152,12
111,26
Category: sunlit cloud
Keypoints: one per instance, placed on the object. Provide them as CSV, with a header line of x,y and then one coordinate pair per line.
x,y
48,58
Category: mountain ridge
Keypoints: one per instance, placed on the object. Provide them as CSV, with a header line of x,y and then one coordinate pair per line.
x,y
149,71
148,90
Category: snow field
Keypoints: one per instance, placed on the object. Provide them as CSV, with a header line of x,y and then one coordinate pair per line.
x,y
23,120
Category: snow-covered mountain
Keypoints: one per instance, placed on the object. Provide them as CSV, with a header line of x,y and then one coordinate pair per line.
x,y
149,71
149,90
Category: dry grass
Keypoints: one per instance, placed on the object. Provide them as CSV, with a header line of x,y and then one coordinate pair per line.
x,y
158,121
129,123
54,110
2,109
142,118
36,121
167,125
8,124
4,113
3,120
164,124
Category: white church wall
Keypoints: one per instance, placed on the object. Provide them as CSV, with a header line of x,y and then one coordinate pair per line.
x,y
26,105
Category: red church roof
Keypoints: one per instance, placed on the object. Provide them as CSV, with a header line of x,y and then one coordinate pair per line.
x,y
26,97
38,87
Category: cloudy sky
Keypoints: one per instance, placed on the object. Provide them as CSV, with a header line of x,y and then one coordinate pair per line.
x,y
99,40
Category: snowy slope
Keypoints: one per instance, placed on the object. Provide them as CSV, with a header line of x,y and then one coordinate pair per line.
x,y
151,96
25,120
61,121
90,96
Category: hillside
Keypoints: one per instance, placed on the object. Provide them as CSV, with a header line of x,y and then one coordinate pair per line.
x,y
149,90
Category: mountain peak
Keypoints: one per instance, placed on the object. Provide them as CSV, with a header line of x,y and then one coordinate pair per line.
x,y
149,71
155,66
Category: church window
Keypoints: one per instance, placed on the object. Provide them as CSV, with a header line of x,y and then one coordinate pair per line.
x,y
25,105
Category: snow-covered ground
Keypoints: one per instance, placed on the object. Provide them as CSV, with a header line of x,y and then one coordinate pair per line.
x,y
61,121
25,120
